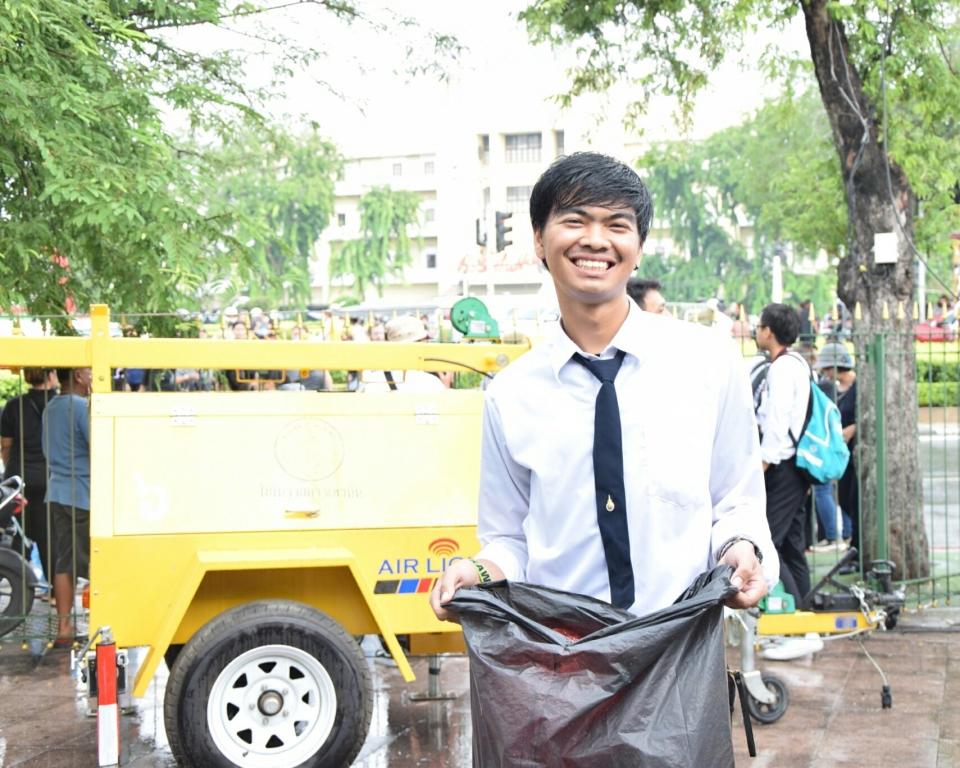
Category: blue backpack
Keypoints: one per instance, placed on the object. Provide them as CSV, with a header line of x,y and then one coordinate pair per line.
x,y
822,453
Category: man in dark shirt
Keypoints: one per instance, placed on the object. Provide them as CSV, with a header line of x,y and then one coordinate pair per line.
x,y
22,454
835,363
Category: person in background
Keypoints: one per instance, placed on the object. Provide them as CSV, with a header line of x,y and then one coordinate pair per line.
x,y
239,381
316,380
405,329
835,364
784,396
648,295
66,446
21,449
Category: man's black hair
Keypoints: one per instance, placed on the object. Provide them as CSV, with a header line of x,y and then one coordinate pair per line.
x,y
65,377
638,288
783,320
589,178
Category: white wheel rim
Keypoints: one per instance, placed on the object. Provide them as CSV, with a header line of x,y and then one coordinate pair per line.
x,y
271,706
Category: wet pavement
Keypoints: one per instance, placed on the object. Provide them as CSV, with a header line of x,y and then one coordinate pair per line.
x,y
834,718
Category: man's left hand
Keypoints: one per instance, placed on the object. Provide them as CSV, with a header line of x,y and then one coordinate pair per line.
x,y
747,576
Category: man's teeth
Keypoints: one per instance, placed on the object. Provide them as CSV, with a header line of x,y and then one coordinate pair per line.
x,y
600,266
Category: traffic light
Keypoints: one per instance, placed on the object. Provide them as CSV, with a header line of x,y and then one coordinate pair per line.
x,y
503,230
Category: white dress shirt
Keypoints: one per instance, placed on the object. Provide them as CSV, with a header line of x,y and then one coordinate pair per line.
x,y
692,470
783,407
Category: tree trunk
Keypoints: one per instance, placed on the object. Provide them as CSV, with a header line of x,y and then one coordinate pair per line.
x,y
879,200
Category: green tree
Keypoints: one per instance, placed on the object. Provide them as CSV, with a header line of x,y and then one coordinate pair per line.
x,y
278,192
99,201
887,75
383,248
773,170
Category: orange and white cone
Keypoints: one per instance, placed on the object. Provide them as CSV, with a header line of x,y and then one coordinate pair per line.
x,y
108,712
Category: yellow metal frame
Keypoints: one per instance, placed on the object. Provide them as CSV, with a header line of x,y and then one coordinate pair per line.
x,y
155,582
102,352
825,623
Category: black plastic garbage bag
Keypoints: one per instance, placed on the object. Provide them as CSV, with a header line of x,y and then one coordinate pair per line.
x,y
564,680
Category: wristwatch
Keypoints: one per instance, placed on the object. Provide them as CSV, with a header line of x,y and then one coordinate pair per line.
x,y
723,550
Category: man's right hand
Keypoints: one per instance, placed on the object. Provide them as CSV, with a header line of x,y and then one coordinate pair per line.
x,y
462,573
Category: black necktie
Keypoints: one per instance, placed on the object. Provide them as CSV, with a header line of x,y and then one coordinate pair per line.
x,y
608,479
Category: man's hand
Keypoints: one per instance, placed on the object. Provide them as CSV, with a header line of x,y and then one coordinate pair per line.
x,y
462,573
747,576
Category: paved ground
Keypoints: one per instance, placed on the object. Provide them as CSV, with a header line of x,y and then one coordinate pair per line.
x,y
834,719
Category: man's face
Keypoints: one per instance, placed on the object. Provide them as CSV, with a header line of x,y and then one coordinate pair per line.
x,y
654,302
764,335
590,250
239,331
82,381
830,374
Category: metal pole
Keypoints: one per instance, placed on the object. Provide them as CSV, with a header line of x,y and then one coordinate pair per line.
x,y
880,373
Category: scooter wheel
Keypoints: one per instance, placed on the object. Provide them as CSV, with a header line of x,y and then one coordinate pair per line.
x,y
16,598
770,713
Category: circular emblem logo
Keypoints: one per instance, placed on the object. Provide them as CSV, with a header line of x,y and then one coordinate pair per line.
x,y
309,449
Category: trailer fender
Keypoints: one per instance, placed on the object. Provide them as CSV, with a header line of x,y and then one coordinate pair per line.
x,y
238,560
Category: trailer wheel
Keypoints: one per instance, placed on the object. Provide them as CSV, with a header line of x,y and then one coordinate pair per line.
x,y
269,684
16,599
770,713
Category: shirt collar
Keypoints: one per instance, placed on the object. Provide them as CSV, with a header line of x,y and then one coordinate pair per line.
x,y
633,337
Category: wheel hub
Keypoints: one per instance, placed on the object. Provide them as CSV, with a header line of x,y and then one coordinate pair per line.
x,y
270,703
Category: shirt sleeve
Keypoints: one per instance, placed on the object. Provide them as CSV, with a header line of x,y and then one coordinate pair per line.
x,y
736,474
504,500
778,410
82,417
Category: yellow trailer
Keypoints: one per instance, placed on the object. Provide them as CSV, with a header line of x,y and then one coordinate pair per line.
x,y
251,537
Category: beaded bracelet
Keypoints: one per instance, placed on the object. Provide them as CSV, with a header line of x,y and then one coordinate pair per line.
x,y
736,539
482,570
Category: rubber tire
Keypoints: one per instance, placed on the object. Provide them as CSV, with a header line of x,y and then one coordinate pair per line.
x,y
765,714
241,629
171,654
21,600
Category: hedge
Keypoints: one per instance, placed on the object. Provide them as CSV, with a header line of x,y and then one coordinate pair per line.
x,y
938,393
938,370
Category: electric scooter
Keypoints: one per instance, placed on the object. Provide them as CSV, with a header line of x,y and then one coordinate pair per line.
x,y
18,580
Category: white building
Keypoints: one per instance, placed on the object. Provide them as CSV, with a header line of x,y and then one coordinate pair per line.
x,y
462,180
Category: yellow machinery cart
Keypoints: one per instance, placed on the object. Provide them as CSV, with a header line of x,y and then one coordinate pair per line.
x,y
251,537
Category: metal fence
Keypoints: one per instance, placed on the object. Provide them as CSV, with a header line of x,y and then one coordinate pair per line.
x,y
906,458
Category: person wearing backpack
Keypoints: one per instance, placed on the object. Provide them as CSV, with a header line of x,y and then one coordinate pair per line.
x,y
783,398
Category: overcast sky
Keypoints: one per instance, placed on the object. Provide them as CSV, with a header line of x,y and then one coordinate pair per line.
x,y
498,76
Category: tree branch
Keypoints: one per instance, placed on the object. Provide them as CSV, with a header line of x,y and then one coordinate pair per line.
x,y
331,5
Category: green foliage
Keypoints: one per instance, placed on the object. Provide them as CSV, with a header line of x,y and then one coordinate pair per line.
x,y
100,202
934,371
905,58
11,386
278,192
938,393
383,248
777,171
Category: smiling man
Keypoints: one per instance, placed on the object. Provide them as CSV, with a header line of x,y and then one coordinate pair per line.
x,y
620,459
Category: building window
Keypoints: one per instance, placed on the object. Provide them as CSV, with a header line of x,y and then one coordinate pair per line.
x,y
518,199
341,219
431,261
397,169
522,147
428,214
559,137
483,148
428,168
